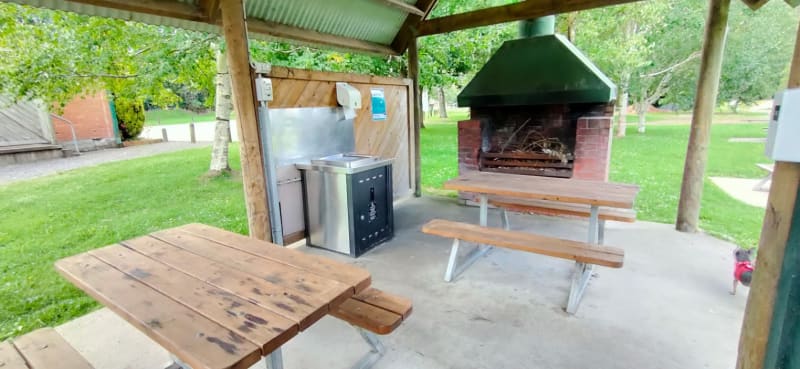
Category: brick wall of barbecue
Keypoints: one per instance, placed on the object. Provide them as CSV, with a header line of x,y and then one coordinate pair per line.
x,y
592,149
469,145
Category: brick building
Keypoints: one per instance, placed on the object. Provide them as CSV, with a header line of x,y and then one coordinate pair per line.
x,y
92,120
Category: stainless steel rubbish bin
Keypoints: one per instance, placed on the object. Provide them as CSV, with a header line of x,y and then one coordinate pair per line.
x,y
348,202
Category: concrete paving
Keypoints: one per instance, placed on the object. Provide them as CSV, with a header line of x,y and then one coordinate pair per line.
x,y
23,171
743,189
668,307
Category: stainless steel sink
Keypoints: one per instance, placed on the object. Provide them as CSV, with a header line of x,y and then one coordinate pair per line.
x,y
344,163
352,161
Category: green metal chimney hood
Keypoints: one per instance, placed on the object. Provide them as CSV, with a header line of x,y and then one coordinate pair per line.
x,y
538,70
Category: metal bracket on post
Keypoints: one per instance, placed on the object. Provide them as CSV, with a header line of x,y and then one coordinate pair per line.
x,y
377,350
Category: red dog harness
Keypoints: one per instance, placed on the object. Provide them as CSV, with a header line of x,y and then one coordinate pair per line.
x,y
740,268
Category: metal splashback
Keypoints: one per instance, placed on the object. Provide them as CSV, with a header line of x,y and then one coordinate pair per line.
x,y
301,134
539,70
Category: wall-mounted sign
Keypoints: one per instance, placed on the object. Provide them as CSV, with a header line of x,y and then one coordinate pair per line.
x,y
378,104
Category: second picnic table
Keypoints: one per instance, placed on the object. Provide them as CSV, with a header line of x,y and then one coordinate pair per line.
x,y
594,194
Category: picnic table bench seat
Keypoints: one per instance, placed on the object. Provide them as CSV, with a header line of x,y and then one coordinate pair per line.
x,y
586,255
551,246
371,312
374,310
547,207
41,349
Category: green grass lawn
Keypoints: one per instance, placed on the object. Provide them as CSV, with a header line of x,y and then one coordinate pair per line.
x,y
175,116
53,217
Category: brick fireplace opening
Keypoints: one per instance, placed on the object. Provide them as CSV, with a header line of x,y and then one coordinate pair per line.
x,y
554,140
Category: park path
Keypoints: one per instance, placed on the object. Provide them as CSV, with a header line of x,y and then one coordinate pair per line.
x,y
23,171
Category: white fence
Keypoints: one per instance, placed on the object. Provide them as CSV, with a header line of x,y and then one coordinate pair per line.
x,y
204,131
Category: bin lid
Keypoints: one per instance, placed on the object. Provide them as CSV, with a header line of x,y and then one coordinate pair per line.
x,y
346,160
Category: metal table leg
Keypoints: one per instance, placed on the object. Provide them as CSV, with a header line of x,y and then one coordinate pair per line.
x,y
377,350
582,273
274,360
454,270
504,219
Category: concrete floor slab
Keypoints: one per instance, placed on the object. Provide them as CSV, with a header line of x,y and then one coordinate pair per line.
x,y
742,189
668,307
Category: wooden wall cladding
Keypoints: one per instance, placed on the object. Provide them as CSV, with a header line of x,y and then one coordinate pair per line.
x,y
294,88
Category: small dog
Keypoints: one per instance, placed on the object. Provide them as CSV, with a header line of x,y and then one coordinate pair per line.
x,y
743,268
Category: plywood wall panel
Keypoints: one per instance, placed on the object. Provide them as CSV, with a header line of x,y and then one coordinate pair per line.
x,y
387,139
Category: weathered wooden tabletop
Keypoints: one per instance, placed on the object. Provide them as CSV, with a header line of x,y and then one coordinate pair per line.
x,y
213,298
616,195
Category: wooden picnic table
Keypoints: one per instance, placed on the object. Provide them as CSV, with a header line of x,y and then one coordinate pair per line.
x,y
213,298
573,191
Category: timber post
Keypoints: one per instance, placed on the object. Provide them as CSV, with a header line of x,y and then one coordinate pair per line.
x,y
771,330
704,103
253,177
413,73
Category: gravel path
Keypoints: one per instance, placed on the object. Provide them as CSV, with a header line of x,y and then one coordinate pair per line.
x,y
18,172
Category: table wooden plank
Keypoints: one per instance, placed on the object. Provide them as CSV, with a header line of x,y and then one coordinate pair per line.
x,y
45,348
397,304
370,317
304,309
193,338
299,280
616,195
345,273
256,324
10,358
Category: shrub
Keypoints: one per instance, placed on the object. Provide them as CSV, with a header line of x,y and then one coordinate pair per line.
x,y
130,115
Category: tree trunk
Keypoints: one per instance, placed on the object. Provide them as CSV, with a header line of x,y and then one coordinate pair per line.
x,y
223,106
705,101
642,112
442,104
734,105
622,114
572,20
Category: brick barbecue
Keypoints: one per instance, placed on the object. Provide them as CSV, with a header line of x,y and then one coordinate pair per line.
x,y
538,107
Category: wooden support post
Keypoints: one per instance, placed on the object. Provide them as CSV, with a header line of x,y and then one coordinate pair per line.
x,y
704,103
771,330
192,136
255,187
164,137
413,73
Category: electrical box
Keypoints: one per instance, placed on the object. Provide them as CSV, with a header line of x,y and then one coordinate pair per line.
x,y
263,89
783,138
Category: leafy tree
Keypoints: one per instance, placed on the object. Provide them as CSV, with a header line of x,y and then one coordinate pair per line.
x,y
757,54
451,59
55,55
616,39
130,114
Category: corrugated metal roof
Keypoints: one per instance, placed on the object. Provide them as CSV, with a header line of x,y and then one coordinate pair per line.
x,y
363,20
